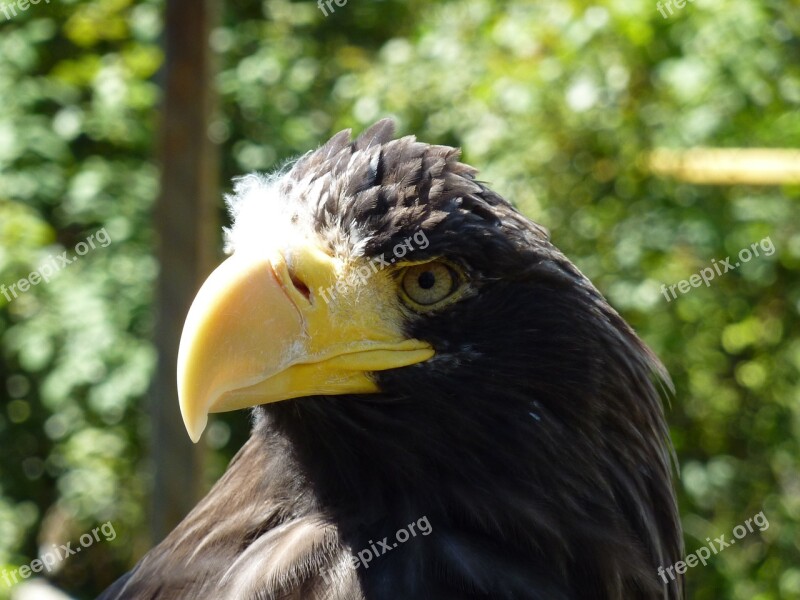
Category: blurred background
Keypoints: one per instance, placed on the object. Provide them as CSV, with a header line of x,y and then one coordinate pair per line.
x,y
623,126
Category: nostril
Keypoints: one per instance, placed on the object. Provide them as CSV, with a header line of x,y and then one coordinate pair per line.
x,y
300,286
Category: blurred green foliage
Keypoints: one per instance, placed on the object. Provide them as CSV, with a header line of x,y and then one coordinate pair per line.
x,y
556,101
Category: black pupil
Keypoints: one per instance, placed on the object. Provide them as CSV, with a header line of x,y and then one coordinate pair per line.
x,y
426,280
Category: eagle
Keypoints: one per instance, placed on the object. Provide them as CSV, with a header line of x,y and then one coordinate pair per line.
x,y
444,407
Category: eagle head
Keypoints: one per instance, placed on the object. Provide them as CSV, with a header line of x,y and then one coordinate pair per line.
x,y
413,345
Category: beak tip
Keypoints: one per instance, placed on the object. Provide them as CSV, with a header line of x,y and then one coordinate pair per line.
x,y
196,427
195,419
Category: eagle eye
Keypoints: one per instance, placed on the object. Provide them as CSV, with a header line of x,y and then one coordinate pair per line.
x,y
427,285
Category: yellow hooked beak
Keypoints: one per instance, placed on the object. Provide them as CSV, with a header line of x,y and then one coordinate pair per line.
x,y
260,332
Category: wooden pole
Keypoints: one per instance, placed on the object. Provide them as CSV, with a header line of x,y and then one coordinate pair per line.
x,y
728,166
186,225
